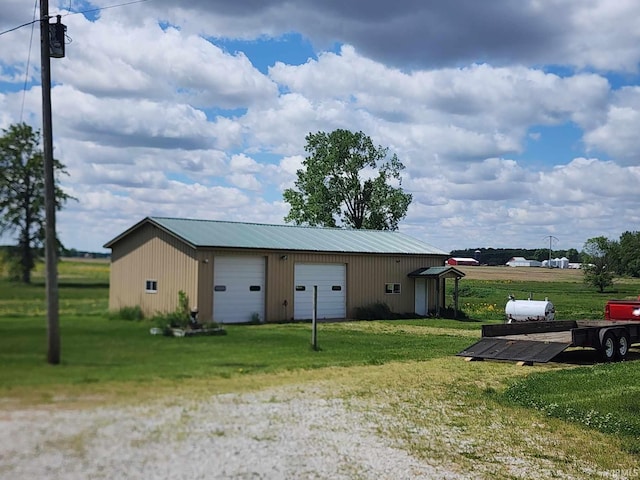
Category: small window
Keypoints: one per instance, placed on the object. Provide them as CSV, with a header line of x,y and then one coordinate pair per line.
x,y
392,288
220,288
254,288
300,288
336,288
151,286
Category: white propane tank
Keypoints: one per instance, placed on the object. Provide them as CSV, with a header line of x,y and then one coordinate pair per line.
x,y
529,310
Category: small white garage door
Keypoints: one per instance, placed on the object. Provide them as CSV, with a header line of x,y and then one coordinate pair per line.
x,y
332,291
238,289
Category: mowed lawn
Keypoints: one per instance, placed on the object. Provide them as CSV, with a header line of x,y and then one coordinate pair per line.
x,y
96,347
101,354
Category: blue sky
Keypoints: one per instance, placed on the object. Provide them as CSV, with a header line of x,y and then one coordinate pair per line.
x,y
515,120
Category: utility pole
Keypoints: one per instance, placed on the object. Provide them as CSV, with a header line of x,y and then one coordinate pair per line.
x,y
551,239
51,254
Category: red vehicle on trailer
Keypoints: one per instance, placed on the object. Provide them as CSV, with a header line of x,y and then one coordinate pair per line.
x,y
623,310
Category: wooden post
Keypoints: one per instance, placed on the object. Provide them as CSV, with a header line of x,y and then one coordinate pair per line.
x,y
455,298
314,323
444,292
51,253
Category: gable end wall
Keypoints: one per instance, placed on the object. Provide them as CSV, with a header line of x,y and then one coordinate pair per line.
x,y
151,254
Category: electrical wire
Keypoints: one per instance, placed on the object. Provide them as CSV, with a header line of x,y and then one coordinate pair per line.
x,y
77,13
19,26
105,8
26,72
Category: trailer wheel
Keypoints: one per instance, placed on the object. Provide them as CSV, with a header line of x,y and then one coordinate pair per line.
x,y
623,346
608,346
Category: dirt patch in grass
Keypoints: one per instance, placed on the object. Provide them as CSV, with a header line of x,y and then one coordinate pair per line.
x,y
395,328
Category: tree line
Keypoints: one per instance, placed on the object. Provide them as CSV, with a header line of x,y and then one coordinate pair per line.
x,y
604,259
500,256
601,258
623,255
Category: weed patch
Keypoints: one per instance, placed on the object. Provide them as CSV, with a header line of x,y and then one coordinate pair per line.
x,y
128,313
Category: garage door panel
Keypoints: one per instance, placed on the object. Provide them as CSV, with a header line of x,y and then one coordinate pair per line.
x,y
331,282
238,291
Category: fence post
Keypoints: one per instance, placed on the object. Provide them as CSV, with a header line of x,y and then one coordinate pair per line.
x,y
314,323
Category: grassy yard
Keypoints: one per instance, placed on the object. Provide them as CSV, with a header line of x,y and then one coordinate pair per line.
x,y
96,349
409,360
602,397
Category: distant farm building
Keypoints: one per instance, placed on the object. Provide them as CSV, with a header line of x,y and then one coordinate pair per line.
x,y
523,262
462,261
557,263
241,272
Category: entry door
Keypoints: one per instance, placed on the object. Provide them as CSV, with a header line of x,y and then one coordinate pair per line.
x,y
332,295
238,288
421,296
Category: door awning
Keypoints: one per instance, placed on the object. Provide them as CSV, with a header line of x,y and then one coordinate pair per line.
x,y
436,272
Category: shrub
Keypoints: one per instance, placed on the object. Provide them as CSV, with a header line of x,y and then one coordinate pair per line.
x,y
179,318
128,313
182,311
449,312
10,264
375,311
162,322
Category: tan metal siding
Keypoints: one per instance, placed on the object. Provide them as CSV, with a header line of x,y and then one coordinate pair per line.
x,y
368,274
366,278
152,254
204,300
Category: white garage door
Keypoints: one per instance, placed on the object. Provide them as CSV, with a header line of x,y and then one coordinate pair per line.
x,y
238,289
332,291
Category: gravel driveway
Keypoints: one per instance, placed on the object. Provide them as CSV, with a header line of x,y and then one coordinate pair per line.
x,y
280,433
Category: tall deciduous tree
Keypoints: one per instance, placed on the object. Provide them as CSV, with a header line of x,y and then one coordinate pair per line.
x,y
22,208
629,261
599,253
347,181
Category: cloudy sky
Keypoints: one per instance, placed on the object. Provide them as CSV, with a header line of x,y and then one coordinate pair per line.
x,y
516,120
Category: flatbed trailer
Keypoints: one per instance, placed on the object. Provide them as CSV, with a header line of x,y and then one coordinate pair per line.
x,y
540,342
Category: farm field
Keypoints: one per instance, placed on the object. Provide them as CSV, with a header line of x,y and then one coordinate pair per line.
x,y
530,274
484,291
381,399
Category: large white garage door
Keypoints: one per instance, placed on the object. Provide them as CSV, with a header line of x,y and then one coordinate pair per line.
x,y
332,291
238,289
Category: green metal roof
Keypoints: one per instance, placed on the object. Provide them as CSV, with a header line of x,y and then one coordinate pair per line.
x,y
436,272
223,234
